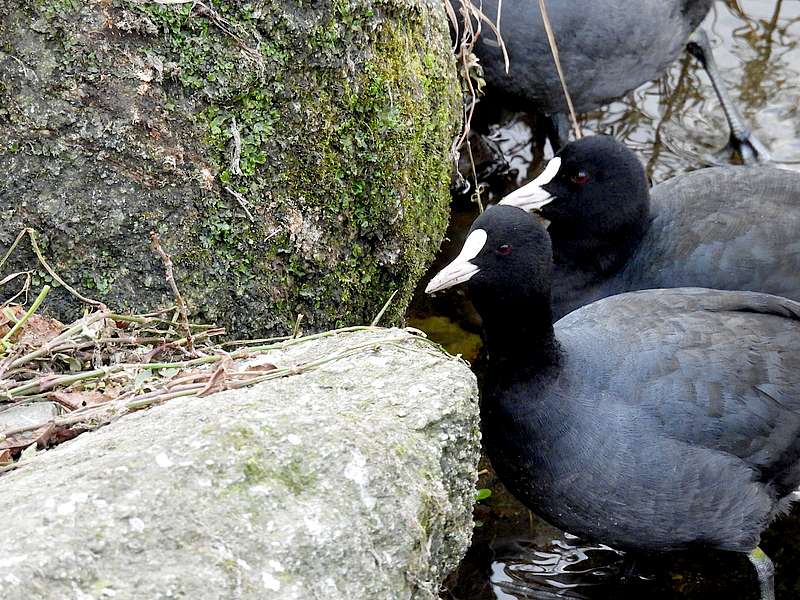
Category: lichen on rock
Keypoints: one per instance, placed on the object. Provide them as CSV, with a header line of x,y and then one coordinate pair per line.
x,y
325,484
293,156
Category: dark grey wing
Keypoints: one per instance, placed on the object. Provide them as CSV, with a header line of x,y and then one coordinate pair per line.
x,y
605,48
713,369
696,10
730,228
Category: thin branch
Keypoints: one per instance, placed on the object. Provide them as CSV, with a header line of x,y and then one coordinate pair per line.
x,y
54,275
242,202
551,39
236,154
18,325
380,314
183,311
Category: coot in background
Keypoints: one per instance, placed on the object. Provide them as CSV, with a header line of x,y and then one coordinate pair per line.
x,y
732,228
607,48
654,420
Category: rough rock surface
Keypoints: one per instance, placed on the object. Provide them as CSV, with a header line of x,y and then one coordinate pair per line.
x,y
351,481
293,156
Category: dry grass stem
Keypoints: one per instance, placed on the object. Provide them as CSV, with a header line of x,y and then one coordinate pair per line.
x,y
382,311
476,194
236,152
551,40
473,19
242,202
183,311
102,366
32,234
197,383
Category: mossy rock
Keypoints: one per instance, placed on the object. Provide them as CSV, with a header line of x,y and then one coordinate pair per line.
x,y
354,480
121,117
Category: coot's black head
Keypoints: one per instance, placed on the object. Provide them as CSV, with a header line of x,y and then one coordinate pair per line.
x,y
506,261
594,187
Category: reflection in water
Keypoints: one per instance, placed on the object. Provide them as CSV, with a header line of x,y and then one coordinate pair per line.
x,y
567,568
675,125
562,569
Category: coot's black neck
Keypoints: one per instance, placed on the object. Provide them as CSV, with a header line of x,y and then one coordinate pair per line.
x,y
519,336
597,250
524,361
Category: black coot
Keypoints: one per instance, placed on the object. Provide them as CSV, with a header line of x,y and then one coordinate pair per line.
x,y
607,48
732,228
650,420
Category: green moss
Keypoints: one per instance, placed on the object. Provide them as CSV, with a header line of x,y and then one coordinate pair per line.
x,y
241,438
58,7
98,282
429,516
254,471
230,566
368,164
259,469
344,110
382,152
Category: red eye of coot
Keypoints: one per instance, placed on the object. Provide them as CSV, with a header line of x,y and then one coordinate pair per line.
x,y
581,177
504,250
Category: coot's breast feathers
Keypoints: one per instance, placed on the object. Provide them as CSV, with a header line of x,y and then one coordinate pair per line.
x,y
712,369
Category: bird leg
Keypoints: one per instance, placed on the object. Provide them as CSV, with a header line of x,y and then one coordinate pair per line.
x,y
629,568
742,140
765,571
557,130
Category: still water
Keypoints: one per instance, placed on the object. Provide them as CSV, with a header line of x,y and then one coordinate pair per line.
x,y
675,125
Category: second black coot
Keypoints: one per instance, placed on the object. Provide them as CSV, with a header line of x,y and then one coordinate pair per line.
x,y
607,48
653,420
732,228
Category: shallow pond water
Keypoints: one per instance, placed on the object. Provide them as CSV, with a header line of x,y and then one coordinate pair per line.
x,y
675,125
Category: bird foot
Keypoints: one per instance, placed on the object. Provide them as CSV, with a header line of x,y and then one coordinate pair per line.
x,y
765,572
746,147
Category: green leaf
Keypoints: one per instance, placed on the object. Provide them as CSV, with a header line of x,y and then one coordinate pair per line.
x,y
483,494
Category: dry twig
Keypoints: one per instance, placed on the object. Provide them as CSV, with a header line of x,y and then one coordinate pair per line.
x,y
473,19
242,202
194,383
102,366
551,40
236,152
183,312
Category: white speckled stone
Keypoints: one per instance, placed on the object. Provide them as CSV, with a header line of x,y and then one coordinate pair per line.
x,y
353,481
